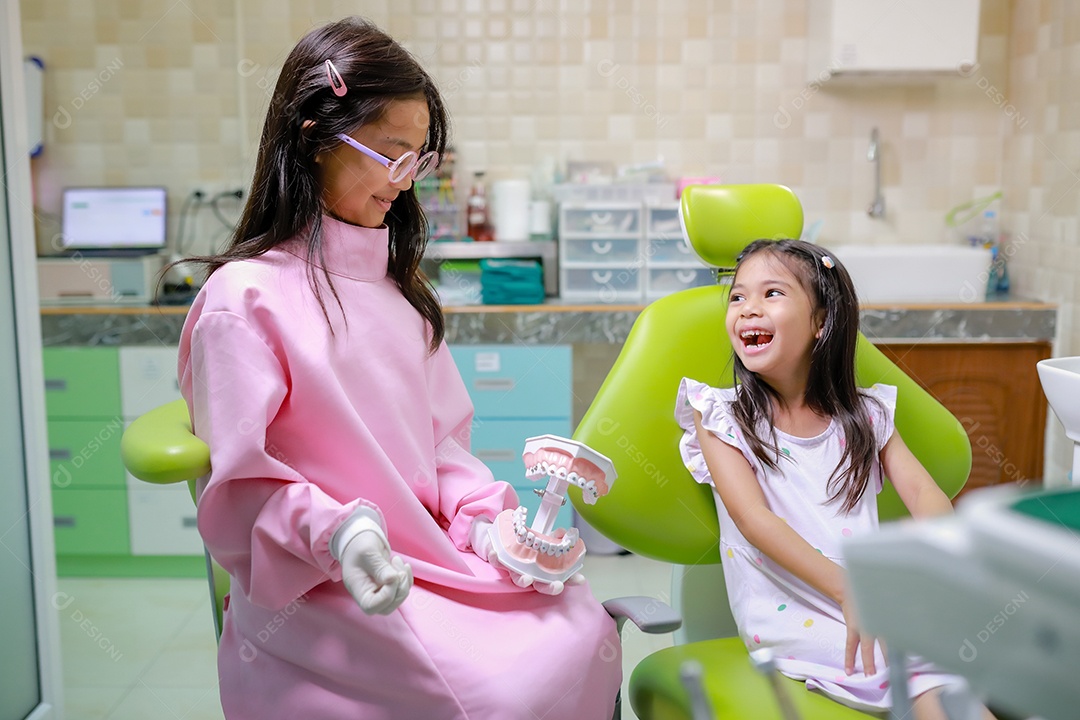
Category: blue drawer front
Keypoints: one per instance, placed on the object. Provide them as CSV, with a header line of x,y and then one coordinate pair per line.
x,y
516,382
499,444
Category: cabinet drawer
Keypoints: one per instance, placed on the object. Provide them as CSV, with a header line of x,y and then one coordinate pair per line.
x,y
499,444
663,281
606,284
663,220
530,381
86,453
669,250
90,522
601,250
147,379
163,521
81,382
603,219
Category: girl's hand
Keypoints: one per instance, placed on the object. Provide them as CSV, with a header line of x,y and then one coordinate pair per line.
x,y
855,639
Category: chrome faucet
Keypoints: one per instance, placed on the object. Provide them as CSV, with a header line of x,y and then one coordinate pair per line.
x,y
873,154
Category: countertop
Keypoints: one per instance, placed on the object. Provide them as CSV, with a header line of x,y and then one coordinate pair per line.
x,y
1003,319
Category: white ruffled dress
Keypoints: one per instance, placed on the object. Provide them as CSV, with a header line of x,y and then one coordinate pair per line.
x,y
773,608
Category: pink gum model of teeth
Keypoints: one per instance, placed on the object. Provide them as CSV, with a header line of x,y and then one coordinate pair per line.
x,y
538,551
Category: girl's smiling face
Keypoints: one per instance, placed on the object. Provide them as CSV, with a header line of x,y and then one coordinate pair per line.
x,y
357,188
771,320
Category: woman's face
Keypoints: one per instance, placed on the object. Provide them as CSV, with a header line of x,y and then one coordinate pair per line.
x,y
356,188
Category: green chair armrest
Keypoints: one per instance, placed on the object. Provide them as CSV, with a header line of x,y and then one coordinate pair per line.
x,y
732,685
159,446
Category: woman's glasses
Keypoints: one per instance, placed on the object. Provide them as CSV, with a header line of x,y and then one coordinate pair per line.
x,y
410,164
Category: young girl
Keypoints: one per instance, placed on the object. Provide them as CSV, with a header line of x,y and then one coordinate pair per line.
x,y
343,500
796,455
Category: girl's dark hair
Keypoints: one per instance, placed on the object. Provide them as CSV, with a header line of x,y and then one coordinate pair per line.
x,y
830,389
285,199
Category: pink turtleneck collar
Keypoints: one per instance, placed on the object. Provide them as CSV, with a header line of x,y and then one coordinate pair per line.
x,y
350,251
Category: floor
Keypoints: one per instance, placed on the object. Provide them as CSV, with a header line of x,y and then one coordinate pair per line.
x,y
144,648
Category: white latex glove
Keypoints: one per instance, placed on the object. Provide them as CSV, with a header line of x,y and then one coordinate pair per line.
x,y
378,583
480,539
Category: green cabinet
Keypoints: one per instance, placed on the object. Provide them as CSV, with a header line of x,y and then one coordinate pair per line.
x,y
90,522
82,382
82,402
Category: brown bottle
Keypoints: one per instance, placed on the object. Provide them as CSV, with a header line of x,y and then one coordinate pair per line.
x,y
479,228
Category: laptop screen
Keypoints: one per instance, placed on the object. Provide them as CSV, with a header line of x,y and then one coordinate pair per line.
x,y
113,218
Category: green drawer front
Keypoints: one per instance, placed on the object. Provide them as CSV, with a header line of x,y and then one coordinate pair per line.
x,y
505,381
82,382
86,453
90,522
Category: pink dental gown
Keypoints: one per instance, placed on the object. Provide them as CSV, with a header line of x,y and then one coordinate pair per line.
x,y
304,427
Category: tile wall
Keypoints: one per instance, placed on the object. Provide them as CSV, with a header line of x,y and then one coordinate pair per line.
x,y
164,92
1041,172
156,91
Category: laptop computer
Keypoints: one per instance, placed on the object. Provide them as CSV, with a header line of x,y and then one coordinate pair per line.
x,y
113,221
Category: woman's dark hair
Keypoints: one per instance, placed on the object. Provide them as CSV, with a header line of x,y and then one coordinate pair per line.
x,y
830,389
303,120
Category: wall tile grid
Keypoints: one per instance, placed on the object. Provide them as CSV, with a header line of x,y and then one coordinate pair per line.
x,y
1042,174
157,92
170,93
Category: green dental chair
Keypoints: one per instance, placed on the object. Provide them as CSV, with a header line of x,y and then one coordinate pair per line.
x,y
657,510
159,448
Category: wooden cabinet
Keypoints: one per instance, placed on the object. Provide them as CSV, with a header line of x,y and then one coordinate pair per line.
x,y
994,390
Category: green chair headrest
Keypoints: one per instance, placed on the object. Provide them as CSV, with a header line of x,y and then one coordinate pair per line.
x,y
720,220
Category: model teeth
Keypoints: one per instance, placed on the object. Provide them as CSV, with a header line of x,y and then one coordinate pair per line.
x,y
541,544
545,469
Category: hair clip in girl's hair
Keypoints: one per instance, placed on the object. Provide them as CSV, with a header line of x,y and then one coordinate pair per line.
x,y
827,262
334,77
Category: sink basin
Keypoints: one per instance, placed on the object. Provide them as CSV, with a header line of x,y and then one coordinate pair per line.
x,y
916,273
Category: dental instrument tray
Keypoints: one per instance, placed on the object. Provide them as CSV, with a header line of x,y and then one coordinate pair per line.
x,y
991,593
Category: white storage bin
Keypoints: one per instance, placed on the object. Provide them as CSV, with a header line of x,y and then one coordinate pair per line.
x,y
606,284
162,520
611,219
670,250
623,192
664,281
147,379
663,221
606,250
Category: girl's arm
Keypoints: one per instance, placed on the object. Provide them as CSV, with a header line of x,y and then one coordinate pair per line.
x,y
738,488
916,488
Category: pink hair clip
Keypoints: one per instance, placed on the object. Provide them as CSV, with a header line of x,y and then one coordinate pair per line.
x,y
827,262
334,77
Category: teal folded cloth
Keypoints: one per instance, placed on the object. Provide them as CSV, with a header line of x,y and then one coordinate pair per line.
x,y
511,282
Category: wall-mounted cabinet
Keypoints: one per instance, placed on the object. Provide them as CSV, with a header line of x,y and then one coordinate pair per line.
x,y
881,38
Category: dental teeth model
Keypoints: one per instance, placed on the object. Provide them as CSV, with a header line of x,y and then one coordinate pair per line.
x,y
539,550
